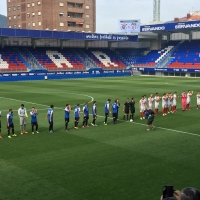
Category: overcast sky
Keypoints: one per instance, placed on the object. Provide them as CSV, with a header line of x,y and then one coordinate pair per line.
x,y
109,11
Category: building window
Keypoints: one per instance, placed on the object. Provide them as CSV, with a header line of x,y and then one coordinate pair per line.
x,y
28,25
28,15
87,26
39,23
39,13
18,7
61,4
87,16
61,24
87,7
33,14
8,1
14,8
9,9
33,23
28,5
19,26
18,16
61,14
33,4
15,26
9,18
78,5
75,15
9,27
14,17
39,3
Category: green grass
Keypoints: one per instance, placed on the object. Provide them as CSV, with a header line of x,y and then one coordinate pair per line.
x,y
121,161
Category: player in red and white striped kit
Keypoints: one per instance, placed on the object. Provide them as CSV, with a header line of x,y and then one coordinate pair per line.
x,y
150,102
164,104
170,101
174,102
157,102
142,107
189,94
198,100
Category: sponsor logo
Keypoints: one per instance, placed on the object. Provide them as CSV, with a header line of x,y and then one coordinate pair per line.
x,y
85,72
183,26
60,73
51,73
69,73
14,74
31,74
40,74
23,74
154,28
77,72
6,74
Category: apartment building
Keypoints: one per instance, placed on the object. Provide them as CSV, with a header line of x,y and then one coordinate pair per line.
x,y
60,15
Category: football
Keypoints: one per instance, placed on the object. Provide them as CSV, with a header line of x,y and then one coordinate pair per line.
x,y
131,120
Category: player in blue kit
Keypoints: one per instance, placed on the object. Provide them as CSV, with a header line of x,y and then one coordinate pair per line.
x,y
77,116
94,113
85,115
10,124
50,118
107,110
67,116
34,121
115,111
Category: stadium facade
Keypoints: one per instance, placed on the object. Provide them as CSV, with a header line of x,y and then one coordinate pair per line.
x,y
74,15
169,49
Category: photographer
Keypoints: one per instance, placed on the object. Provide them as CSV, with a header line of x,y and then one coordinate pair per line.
x,y
188,193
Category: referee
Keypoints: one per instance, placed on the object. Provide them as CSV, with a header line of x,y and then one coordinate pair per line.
x,y
22,116
126,109
132,109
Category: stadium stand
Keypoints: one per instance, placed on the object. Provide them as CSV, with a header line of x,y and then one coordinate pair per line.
x,y
56,59
182,54
10,61
187,55
105,58
145,58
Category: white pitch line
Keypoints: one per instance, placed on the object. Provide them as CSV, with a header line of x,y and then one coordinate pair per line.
x,y
92,99
173,130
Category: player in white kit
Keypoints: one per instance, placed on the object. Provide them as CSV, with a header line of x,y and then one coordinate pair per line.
x,y
150,102
198,100
170,100
145,101
164,104
174,102
157,102
142,107
189,94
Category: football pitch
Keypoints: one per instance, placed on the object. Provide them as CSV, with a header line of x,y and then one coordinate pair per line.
x,y
113,162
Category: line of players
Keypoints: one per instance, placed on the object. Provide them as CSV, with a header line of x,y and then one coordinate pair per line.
x,y
169,102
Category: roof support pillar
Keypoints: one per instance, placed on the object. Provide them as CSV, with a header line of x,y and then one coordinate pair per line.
x,y
2,43
33,42
190,35
86,44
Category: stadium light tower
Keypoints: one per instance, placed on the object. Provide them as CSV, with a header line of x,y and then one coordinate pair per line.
x,y
156,10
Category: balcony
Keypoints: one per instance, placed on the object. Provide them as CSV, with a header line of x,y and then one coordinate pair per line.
x,y
76,10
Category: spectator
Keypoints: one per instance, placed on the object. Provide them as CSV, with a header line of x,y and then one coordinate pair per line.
x,y
188,193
